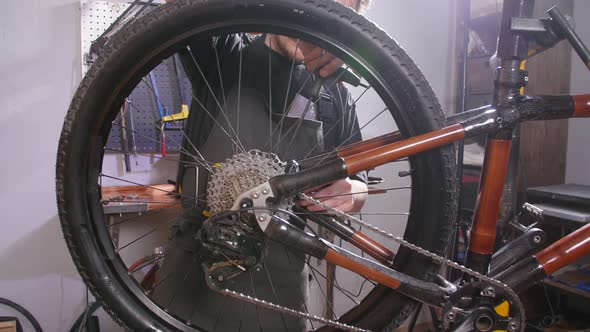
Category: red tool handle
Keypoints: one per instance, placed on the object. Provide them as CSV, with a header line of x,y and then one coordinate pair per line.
x,y
163,144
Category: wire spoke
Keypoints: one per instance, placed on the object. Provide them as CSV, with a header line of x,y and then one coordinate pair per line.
x,y
339,121
222,88
148,263
288,253
220,76
218,124
300,120
176,161
270,129
186,275
381,214
363,127
163,280
361,213
309,75
167,223
221,108
239,87
363,192
284,113
199,162
242,315
145,202
354,133
254,294
225,299
161,129
275,294
342,101
314,271
297,126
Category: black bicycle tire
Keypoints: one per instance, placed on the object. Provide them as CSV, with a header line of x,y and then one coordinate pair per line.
x,y
22,311
421,114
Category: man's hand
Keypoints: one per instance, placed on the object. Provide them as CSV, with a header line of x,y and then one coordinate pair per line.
x,y
316,58
345,195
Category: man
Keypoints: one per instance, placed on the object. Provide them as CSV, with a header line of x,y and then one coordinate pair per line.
x,y
255,92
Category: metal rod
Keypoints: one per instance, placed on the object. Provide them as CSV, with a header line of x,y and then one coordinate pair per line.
x,y
461,144
570,34
124,141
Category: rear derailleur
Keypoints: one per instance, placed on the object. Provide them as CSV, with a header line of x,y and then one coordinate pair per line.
x,y
230,245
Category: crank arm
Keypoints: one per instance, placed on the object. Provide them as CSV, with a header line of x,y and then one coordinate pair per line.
x,y
430,293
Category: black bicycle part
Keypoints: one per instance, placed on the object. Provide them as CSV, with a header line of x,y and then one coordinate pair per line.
x,y
473,308
517,249
230,245
561,24
103,39
20,309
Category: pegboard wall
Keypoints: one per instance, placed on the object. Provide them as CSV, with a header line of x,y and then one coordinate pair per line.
x,y
142,119
143,115
96,17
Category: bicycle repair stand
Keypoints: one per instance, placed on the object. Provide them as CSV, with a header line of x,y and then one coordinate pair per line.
x,y
542,34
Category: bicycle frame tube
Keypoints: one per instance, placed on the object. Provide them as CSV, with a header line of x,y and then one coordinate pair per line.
x,y
509,78
536,267
495,121
364,156
483,231
581,106
368,159
282,231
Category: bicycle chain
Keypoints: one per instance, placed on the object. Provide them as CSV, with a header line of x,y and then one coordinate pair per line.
x,y
283,309
434,257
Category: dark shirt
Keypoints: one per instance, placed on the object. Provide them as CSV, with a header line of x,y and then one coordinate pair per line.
x,y
217,65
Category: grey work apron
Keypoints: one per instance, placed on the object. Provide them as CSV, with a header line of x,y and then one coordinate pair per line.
x,y
184,292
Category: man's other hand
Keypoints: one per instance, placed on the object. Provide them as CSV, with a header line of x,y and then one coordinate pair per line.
x,y
346,195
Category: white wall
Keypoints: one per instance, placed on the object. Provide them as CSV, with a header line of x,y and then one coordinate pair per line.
x,y
39,71
578,147
426,30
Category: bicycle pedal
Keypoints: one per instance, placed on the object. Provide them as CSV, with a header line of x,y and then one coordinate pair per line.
x,y
530,214
514,251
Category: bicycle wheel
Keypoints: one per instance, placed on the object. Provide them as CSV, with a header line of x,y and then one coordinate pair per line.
x,y
110,252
